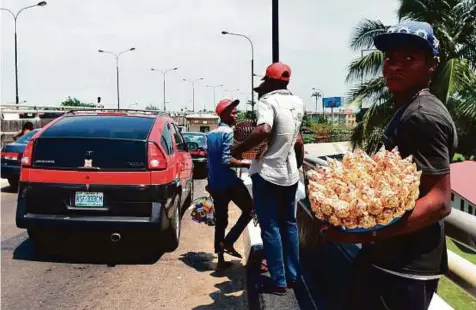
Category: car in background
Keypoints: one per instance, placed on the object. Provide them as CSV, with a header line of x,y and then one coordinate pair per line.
x,y
111,172
11,155
199,156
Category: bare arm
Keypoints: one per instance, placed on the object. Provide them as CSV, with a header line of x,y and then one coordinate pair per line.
x,y
259,134
299,150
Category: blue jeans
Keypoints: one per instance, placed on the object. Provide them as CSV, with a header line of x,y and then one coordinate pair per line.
x,y
275,207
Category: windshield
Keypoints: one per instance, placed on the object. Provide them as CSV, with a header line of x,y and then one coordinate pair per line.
x,y
26,137
200,139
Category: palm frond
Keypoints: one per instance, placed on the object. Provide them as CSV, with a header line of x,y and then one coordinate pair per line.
x,y
364,33
453,77
415,10
369,65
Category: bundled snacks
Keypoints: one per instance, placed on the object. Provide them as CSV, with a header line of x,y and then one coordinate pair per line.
x,y
363,191
203,211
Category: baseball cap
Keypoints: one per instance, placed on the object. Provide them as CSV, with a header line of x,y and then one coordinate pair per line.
x,y
224,104
408,33
278,71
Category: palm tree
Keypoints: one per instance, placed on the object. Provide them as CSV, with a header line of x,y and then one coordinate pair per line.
x,y
454,24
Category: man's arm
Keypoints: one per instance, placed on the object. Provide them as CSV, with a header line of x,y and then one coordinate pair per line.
x,y
299,150
227,158
265,114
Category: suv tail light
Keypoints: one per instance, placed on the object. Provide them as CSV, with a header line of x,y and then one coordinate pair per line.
x,y
11,156
27,154
155,157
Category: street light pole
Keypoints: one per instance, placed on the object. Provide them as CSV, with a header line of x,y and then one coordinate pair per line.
x,y
15,17
252,63
164,72
214,87
193,90
117,69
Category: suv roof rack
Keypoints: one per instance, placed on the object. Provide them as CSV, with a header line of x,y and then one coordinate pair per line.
x,y
131,111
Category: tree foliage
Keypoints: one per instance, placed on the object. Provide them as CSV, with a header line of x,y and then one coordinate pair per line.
x,y
74,102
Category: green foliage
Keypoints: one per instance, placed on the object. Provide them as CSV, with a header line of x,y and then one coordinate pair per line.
x,y
151,107
454,83
246,115
73,102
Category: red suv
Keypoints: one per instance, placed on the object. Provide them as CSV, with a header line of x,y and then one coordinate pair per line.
x,y
112,172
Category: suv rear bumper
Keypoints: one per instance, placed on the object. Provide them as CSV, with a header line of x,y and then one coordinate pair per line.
x,y
89,222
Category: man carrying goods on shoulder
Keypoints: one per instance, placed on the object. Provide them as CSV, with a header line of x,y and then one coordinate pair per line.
x,y
275,175
223,183
399,266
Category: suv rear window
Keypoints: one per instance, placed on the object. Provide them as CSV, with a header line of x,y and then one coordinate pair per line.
x,y
110,142
108,127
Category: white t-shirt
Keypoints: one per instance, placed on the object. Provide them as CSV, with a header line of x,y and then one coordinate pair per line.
x,y
282,111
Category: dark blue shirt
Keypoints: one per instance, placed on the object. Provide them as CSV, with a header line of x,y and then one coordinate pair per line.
x,y
219,143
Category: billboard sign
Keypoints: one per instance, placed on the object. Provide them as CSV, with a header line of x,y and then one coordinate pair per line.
x,y
332,102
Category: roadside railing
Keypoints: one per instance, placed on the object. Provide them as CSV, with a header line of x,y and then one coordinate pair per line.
x,y
459,226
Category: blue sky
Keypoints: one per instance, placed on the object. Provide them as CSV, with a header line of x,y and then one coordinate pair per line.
x,y
58,46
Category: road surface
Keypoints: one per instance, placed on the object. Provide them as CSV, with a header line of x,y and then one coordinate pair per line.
x,y
94,274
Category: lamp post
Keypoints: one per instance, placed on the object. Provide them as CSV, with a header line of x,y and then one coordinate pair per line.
x,y
193,90
117,69
214,87
15,17
318,94
164,72
252,62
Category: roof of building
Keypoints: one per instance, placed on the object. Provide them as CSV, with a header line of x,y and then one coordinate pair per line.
x,y
207,116
463,180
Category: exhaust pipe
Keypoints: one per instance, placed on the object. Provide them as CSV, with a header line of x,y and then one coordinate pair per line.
x,y
115,237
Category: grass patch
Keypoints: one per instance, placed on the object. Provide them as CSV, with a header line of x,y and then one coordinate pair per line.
x,y
462,251
454,295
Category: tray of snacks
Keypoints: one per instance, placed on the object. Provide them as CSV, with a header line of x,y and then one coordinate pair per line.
x,y
241,131
363,193
203,211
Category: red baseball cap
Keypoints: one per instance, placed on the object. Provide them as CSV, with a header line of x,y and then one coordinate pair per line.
x,y
278,71
224,104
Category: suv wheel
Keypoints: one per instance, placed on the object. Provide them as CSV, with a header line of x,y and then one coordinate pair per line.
x,y
13,183
172,233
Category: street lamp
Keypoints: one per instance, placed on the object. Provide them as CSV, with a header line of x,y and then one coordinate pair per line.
x,y
164,72
193,90
318,94
252,62
117,69
15,17
214,87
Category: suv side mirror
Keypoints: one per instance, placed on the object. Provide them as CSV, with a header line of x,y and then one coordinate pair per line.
x,y
192,146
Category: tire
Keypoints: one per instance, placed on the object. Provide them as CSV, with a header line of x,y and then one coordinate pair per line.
x,y
13,183
45,241
172,233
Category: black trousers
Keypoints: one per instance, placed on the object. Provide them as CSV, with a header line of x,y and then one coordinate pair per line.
x,y
375,289
238,193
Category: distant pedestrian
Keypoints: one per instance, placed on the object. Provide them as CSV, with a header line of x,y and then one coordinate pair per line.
x,y
275,175
223,183
27,127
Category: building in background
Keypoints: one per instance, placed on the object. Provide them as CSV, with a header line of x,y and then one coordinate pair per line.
x,y
201,122
463,186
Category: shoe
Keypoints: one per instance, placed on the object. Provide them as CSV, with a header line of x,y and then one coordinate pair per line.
x,y
230,250
272,289
292,285
223,266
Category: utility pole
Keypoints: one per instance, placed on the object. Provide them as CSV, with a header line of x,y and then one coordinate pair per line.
x,y
275,22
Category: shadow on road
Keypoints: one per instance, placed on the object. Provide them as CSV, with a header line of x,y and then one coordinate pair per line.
x,y
75,249
231,293
8,189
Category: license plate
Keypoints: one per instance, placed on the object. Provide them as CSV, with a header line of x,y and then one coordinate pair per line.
x,y
87,199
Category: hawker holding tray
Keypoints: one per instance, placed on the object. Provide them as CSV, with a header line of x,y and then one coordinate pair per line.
x,y
399,266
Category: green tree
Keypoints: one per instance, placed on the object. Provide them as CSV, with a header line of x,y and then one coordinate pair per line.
x,y
454,82
73,102
151,107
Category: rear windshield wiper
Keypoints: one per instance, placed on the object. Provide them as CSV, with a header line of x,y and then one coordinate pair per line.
x,y
88,168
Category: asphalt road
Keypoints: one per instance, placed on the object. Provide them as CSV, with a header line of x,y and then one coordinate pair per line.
x,y
92,273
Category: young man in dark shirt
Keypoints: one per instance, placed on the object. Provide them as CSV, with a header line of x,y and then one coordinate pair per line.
x,y
399,266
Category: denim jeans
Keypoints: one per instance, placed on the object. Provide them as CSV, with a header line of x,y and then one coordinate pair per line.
x,y
238,193
275,207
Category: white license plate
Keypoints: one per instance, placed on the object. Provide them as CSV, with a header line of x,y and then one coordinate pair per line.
x,y
87,199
